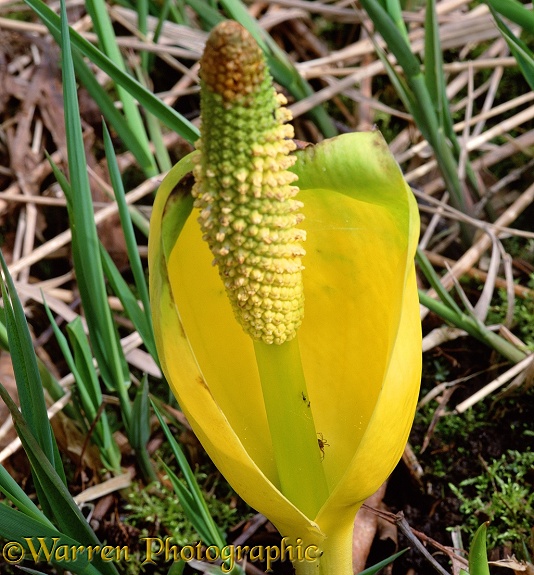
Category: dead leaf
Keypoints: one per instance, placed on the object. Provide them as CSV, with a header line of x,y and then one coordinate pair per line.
x,y
73,442
365,528
518,567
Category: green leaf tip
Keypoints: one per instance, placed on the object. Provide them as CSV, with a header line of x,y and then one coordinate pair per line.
x,y
244,190
478,558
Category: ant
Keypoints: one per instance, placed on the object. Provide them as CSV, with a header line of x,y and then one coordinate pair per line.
x,y
305,399
322,442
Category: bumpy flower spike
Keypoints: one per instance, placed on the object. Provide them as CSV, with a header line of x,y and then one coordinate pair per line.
x,y
244,191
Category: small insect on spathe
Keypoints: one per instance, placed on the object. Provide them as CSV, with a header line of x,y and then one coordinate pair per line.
x,y
322,442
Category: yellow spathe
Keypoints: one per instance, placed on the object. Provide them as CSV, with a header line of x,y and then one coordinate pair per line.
x,y
360,339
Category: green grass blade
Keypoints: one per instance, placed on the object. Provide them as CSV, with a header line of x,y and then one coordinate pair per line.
x,y
195,500
396,42
238,11
12,490
129,302
403,90
127,227
516,12
433,279
142,25
29,385
172,119
65,350
66,513
161,152
520,51
97,9
430,129
81,365
102,330
179,13
50,383
190,509
162,17
4,340
473,327
421,101
433,61
94,302
112,114
376,568
87,389
394,9
206,13
177,568
16,526
140,432
86,250
436,86
426,117
154,130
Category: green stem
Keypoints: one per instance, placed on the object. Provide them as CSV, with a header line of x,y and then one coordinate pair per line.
x,y
296,450
333,555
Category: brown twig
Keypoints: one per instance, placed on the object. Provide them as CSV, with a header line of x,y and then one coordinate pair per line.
x,y
416,538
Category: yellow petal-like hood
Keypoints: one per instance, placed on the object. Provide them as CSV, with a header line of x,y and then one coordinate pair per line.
x,y
360,339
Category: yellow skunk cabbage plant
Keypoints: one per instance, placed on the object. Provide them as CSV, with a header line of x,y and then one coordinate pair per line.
x,y
285,306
